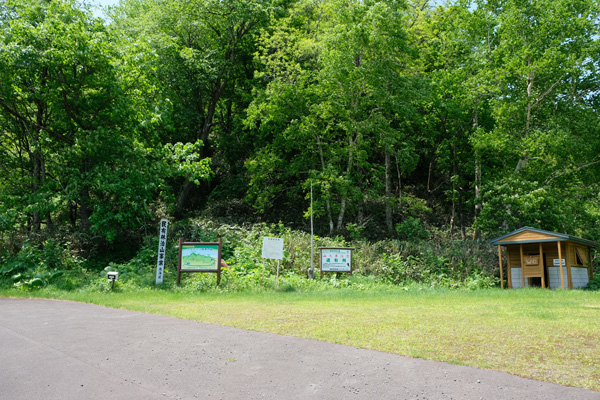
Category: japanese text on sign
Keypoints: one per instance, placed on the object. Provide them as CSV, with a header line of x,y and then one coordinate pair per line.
x,y
336,260
162,249
272,248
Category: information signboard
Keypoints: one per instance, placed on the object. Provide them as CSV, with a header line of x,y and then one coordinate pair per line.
x,y
199,257
272,248
336,259
555,262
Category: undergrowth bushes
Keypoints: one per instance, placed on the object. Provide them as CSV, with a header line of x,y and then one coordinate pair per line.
x,y
435,262
41,264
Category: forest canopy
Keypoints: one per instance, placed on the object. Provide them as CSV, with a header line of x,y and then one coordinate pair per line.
x,y
473,117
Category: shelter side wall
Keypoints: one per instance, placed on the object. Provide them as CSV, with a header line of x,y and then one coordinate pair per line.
x,y
579,277
514,256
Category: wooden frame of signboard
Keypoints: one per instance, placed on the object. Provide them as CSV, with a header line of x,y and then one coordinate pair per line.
x,y
343,251
199,257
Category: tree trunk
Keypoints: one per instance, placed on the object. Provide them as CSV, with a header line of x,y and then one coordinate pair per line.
x,y
182,198
340,220
522,163
329,217
344,192
399,182
478,205
430,178
454,191
463,232
37,181
203,135
388,195
84,209
327,204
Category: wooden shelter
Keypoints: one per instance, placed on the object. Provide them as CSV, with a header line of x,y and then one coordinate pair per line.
x,y
533,259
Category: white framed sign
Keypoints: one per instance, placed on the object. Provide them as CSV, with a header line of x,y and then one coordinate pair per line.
x,y
555,262
272,248
336,259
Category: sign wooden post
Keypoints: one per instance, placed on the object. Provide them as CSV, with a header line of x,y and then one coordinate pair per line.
x,y
501,272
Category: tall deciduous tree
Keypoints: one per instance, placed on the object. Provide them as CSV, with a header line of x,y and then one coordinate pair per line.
x,y
69,125
338,106
204,62
539,70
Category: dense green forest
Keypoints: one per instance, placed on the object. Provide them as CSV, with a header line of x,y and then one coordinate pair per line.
x,y
470,118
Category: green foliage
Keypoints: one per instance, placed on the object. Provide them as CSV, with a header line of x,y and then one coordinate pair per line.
x,y
412,229
40,265
337,103
433,270
594,284
433,263
406,120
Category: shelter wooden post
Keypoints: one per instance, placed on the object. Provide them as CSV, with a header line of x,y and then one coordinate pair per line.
x,y
560,267
508,269
568,262
500,261
543,266
179,262
522,265
590,268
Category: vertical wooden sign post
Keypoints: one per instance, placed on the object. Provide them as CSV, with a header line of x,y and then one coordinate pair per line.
x,y
199,257
162,250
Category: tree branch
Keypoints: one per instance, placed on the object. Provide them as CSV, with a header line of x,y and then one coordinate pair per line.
x,y
563,173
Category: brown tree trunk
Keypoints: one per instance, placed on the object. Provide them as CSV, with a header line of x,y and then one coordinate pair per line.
x,y
478,205
37,181
388,195
84,209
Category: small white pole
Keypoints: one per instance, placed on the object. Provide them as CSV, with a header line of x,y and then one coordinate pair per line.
x,y
263,274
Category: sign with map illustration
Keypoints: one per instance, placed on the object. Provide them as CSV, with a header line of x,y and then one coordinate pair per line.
x,y
199,257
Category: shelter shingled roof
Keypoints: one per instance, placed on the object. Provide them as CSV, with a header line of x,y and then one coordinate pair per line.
x,y
550,237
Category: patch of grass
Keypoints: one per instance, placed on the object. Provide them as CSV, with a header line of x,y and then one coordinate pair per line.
x,y
534,333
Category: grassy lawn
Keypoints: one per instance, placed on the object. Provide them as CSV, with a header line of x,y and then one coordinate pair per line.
x,y
546,335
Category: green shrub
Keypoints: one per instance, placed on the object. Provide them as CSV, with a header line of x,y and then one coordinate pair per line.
x,y
412,229
594,284
40,265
